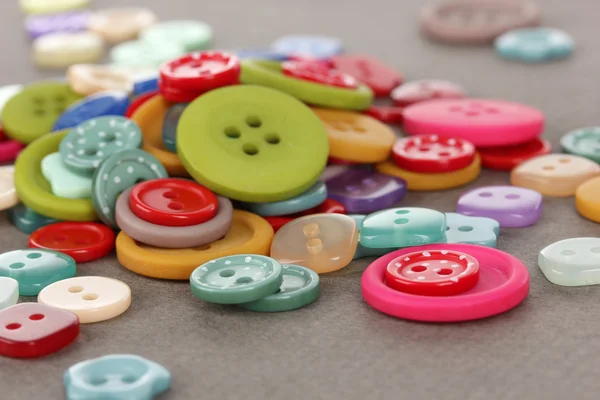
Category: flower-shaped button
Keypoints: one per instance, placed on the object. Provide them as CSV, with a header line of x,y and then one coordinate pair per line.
x,y
9,292
417,91
63,181
534,44
44,24
583,142
309,45
471,230
571,262
97,105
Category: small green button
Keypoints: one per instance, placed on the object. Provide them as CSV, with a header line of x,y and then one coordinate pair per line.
x,y
35,269
64,182
32,112
300,287
403,227
236,279
584,142
192,35
137,53
121,171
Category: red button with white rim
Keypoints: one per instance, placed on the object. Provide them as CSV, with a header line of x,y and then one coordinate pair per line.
x,y
173,202
414,92
319,73
84,241
433,154
201,71
370,71
433,273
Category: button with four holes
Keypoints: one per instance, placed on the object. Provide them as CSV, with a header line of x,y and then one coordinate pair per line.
x,y
319,73
433,154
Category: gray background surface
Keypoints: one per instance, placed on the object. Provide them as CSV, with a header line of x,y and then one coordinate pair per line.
x,y
340,348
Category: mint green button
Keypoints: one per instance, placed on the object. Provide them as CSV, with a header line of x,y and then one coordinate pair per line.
x,y
192,35
362,251
9,292
64,182
26,220
35,269
572,262
121,171
403,227
237,279
471,230
584,142
300,286
145,54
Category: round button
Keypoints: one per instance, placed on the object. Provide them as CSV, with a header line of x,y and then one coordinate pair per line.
x,y
84,241
91,298
387,115
415,92
26,220
316,46
117,173
93,141
236,279
137,53
138,101
202,71
587,199
507,157
9,149
532,45
96,105
173,202
256,144
8,193
88,79
583,142
192,35
176,95
169,127
370,71
117,25
9,292
51,6
62,49
314,196
432,153
44,24
433,273
319,73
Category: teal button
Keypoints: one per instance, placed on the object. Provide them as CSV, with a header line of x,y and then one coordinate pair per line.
x,y
9,292
583,142
403,227
236,279
121,171
362,251
64,182
26,220
471,230
35,269
300,286
314,196
534,44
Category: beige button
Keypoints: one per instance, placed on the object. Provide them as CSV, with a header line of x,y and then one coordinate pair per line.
x,y
87,79
118,25
91,298
8,194
59,50
556,175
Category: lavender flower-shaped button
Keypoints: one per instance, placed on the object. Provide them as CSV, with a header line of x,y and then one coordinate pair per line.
x,y
362,191
44,24
511,206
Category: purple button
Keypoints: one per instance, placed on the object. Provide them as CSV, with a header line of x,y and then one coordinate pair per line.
x,y
511,206
362,191
40,25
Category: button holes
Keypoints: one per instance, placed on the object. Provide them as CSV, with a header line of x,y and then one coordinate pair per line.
x,y
339,126
244,280
232,132
60,99
447,228
424,149
16,265
472,113
97,381
110,137
12,327
419,268
311,230
90,296
401,221
455,108
253,121
272,138
175,205
171,194
314,246
595,250
444,154
512,196
33,256
250,149
402,212
75,289
485,194
564,160
359,129
90,152
227,273
445,271
567,252
38,101
39,112
36,317
128,379
548,168
465,228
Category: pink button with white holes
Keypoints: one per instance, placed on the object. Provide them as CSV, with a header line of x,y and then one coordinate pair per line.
x,y
485,123
415,92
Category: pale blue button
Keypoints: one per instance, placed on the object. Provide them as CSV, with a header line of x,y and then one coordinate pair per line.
x,y
64,182
116,377
572,262
309,45
472,230
362,251
9,292
314,196
261,54
534,44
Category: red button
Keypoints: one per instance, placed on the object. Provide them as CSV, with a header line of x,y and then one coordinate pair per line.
x,y
339,161
177,95
329,206
138,101
84,241
433,273
414,92
201,71
319,73
173,202
30,330
507,157
432,154
370,71
385,114
278,222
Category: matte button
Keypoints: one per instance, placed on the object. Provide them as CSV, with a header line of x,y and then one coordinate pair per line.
x,y
97,105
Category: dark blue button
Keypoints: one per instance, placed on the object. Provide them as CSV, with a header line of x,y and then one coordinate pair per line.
x,y
145,85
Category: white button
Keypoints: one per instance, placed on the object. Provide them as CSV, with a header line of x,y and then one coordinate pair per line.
x,y
8,194
9,292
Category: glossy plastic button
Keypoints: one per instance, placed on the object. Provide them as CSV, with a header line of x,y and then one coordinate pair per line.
x,y
534,45
255,144
26,220
556,175
321,242
9,292
485,123
356,137
9,149
319,73
309,45
173,202
362,251
91,298
471,230
51,6
571,262
8,193
101,104
583,142
202,71
84,241
138,102
587,199
137,53
89,79
304,201
507,157
117,25
62,49
64,182
370,71
191,35
433,154
45,24
387,115
175,95
236,279
169,128
36,269
117,376
418,91
31,330
329,206
503,284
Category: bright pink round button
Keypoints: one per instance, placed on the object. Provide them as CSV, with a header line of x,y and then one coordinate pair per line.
x,y
485,123
503,284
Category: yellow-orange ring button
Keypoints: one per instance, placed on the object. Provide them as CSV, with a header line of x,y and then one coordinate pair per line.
x,y
587,199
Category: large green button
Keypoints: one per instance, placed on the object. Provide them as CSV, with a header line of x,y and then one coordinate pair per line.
x,y
32,112
268,73
252,143
236,279
26,220
34,190
300,287
121,171
35,269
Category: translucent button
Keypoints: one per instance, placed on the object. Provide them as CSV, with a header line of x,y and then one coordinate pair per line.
x,y
8,193
9,292
472,230
587,199
572,262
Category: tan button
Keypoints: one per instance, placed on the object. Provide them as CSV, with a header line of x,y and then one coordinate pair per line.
x,y
87,79
59,50
118,25
8,194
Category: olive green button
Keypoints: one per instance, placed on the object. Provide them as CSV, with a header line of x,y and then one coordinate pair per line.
x,y
268,73
300,287
121,171
236,279
252,143
32,112
34,190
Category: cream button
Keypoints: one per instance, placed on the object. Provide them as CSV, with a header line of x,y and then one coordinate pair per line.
x,y
118,25
8,194
87,79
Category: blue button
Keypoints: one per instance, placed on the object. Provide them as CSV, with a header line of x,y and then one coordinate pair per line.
x,y
145,85
97,105
169,130
309,45
314,196
261,54
534,44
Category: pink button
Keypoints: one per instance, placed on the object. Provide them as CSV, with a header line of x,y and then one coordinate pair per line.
x,y
415,92
485,123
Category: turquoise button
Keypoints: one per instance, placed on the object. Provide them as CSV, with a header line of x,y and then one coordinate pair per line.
x,y
584,142
403,227
116,377
572,262
471,230
26,220
169,130
314,196
236,279
300,286
362,251
64,182
534,44
9,292
35,269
